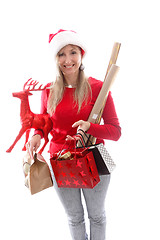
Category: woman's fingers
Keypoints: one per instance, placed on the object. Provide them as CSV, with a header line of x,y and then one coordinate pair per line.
x,y
84,125
33,145
70,138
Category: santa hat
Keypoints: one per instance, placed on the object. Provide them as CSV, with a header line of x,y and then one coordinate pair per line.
x,y
64,37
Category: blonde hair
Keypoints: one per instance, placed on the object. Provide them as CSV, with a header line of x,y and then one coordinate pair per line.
x,y
81,94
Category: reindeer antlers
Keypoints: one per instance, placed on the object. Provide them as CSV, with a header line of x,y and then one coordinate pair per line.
x,y
30,85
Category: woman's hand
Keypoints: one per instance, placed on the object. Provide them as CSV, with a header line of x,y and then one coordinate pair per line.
x,y
84,125
33,144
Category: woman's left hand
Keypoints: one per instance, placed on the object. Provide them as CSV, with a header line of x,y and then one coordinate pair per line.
x,y
84,125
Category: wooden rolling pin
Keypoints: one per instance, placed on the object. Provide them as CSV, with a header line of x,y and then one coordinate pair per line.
x,y
97,110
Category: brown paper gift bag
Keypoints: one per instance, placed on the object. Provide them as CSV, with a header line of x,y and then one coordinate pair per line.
x,y
39,176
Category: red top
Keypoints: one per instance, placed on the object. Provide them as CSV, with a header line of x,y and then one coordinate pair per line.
x,y
66,114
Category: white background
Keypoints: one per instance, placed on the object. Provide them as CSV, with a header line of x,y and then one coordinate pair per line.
x,y
133,198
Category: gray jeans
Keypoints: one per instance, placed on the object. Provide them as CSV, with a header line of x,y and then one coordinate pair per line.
x,y
95,203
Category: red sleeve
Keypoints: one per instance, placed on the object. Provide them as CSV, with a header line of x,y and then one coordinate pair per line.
x,y
111,129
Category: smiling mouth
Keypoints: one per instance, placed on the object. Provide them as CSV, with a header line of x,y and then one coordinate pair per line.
x,y
70,66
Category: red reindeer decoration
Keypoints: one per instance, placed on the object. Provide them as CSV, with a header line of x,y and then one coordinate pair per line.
x,y
29,119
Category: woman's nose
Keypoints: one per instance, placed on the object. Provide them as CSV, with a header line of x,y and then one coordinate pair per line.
x,y
67,59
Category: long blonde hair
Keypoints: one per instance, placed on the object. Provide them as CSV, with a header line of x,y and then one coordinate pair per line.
x,y
81,94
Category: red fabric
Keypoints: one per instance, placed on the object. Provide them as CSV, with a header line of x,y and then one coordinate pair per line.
x,y
66,114
51,36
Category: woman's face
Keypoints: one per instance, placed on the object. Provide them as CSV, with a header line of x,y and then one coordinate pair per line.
x,y
69,59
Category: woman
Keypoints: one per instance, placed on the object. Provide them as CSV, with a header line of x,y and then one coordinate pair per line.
x,y
69,101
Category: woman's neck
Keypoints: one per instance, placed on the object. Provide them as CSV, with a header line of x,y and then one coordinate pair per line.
x,y
71,80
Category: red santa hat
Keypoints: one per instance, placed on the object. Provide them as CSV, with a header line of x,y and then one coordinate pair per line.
x,y
64,37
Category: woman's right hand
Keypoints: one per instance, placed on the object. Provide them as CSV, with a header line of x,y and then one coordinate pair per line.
x,y
33,144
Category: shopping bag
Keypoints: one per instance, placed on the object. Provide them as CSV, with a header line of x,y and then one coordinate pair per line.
x,y
104,162
37,173
75,168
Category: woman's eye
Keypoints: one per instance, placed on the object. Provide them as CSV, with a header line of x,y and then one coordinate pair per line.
x,y
61,54
73,52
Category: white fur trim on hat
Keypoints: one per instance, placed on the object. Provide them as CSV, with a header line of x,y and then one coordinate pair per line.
x,y
63,38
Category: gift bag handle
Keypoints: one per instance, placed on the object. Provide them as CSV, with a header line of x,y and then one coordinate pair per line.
x,y
81,140
82,143
82,137
75,140
62,149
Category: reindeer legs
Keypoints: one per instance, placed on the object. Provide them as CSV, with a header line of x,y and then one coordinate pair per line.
x,y
21,132
45,143
27,137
